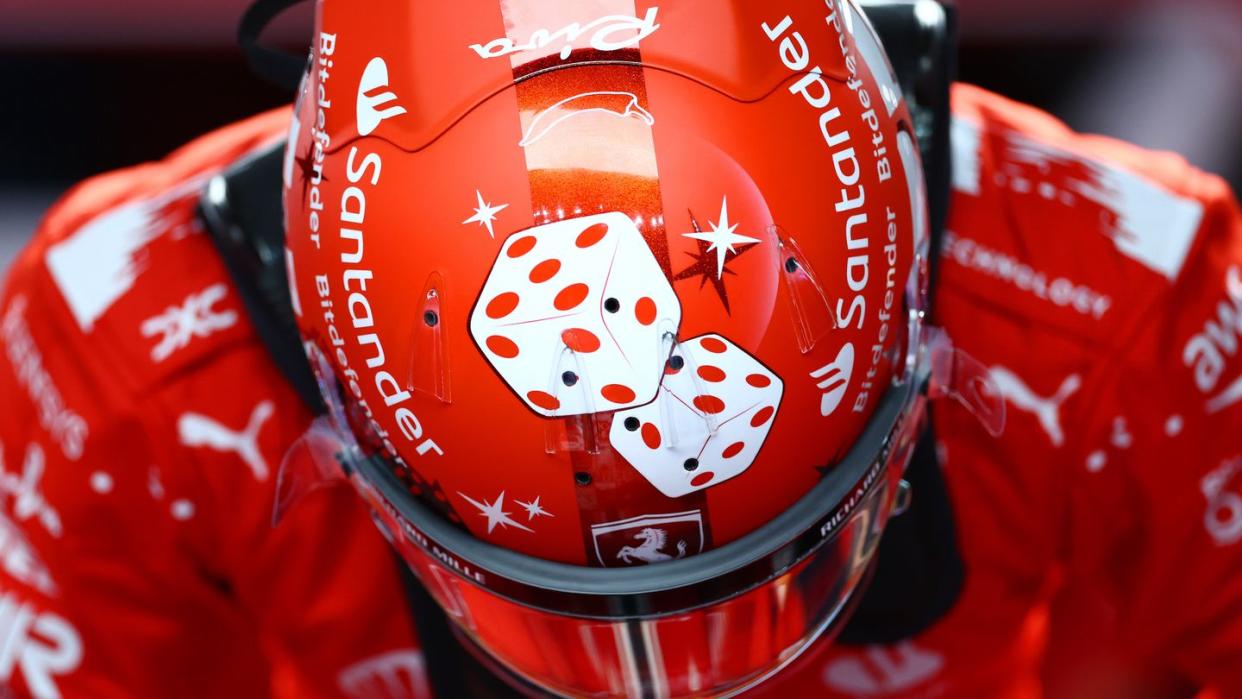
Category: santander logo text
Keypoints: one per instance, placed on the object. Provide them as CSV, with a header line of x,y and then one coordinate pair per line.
x,y
835,380
608,33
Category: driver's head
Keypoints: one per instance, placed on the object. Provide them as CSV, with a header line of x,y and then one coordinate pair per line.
x,y
616,309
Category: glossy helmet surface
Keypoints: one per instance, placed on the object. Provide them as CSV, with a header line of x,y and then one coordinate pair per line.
x,y
613,284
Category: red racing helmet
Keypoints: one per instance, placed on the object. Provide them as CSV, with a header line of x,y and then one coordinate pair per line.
x,y
617,309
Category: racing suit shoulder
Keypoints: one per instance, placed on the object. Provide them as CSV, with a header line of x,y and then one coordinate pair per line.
x,y
123,265
1100,286
142,433
1082,234
1161,500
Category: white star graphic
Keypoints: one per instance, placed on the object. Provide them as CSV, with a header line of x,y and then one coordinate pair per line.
x,y
534,509
485,214
495,513
722,237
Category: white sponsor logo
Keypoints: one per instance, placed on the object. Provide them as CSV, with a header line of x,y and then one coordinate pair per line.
x,y
98,265
1059,291
863,235
363,171
883,670
1223,518
197,316
21,561
1047,410
321,140
65,426
399,674
40,645
859,234
623,105
1208,351
201,431
966,139
609,33
376,103
835,379
23,488
1227,398
1146,222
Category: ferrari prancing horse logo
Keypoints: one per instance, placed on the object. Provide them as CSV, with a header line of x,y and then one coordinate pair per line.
x,y
648,539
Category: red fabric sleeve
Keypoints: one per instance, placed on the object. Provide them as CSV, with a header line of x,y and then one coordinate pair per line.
x,y
141,429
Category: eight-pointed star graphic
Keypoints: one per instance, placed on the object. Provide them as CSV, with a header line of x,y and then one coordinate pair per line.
x,y
534,509
485,214
722,237
704,266
306,167
495,513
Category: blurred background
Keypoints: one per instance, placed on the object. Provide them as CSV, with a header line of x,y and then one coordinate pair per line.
x,y
90,86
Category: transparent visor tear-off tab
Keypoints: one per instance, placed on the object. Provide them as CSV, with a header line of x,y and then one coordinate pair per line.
x,y
927,350
313,461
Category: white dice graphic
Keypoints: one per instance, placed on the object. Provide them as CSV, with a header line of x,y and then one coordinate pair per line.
x,y
708,422
577,317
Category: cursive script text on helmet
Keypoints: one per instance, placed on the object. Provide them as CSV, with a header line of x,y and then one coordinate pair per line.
x,y
608,33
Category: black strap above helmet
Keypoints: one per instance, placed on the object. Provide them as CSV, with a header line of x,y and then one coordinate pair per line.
x,y
920,574
242,213
920,38
278,67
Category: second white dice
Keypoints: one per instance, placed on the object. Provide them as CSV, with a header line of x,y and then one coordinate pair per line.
x,y
708,422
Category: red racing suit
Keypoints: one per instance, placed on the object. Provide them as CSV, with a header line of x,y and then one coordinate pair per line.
x,y
142,426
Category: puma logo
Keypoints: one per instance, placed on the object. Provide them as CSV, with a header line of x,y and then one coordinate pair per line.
x,y
1047,410
201,431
